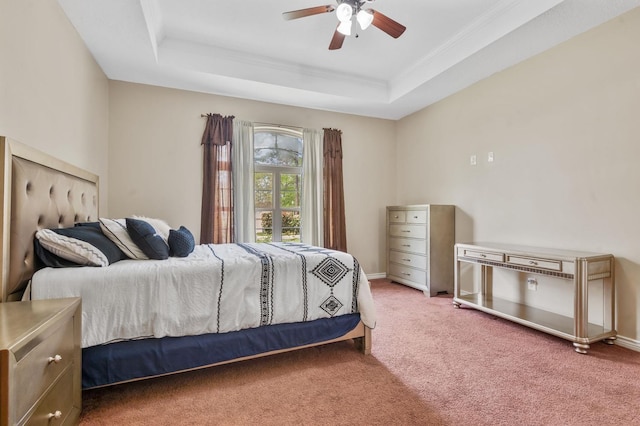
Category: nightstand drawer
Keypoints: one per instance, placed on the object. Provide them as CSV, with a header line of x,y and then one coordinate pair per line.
x,y
409,231
43,364
407,259
407,244
56,406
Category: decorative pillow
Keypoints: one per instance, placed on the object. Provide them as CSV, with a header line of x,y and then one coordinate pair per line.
x,y
82,245
181,242
146,237
116,231
161,227
45,258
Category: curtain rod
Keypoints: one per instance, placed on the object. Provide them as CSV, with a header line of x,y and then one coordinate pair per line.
x,y
279,125
269,124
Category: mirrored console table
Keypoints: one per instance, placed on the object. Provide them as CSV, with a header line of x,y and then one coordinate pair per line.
x,y
583,270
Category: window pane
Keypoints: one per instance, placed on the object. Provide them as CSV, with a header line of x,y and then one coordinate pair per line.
x,y
264,227
277,149
291,226
263,190
290,187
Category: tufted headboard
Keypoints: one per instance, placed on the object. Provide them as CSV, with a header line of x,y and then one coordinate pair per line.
x,y
39,191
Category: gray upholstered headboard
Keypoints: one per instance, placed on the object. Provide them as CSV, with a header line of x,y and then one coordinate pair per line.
x,y
39,191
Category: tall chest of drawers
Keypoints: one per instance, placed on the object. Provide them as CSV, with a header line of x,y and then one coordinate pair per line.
x,y
40,362
420,241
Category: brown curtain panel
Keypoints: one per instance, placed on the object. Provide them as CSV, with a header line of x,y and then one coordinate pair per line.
x,y
217,188
335,234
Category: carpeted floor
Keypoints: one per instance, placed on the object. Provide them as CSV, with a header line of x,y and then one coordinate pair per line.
x,y
431,365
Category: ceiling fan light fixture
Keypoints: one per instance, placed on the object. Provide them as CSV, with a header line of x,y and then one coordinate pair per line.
x,y
345,28
344,12
365,18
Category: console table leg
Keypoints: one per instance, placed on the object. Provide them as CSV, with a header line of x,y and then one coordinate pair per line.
x,y
581,348
609,340
456,304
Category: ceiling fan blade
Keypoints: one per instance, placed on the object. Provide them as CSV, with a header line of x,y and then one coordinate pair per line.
x,y
386,24
295,14
336,40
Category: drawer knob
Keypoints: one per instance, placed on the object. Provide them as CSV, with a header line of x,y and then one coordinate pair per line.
x,y
56,415
56,359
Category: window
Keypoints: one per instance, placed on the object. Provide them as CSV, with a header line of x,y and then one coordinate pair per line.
x,y
277,160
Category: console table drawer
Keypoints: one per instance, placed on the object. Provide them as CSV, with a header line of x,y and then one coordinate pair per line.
x,y
552,265
483,255
412,231
407,259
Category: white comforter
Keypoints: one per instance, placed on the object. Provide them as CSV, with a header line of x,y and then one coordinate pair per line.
x,y
218,288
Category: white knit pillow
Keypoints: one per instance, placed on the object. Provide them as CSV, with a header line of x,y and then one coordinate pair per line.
x,y
72,249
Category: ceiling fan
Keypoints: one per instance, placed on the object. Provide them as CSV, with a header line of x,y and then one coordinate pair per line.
x,y
346,10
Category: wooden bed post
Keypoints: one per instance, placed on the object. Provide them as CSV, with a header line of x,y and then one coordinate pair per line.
x,y
364,343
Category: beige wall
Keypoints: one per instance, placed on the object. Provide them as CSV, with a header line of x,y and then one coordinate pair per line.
x,y
564,127
155,158
53,95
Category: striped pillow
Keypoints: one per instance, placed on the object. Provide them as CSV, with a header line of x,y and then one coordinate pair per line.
x,y
72,249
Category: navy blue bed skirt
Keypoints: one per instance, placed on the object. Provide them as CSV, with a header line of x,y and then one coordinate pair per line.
x,y
134,359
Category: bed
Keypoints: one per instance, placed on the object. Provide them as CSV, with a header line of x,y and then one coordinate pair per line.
x,y
42,192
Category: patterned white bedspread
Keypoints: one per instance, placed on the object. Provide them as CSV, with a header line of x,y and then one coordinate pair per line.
x,y
216,289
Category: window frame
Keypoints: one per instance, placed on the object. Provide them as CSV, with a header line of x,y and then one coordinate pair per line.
x,y
277,171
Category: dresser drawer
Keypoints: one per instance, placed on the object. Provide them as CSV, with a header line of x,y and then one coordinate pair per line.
x,y
414,275
397,216
407,244
484,255
410,231
407,259
56,406
39,368
553,265
417,216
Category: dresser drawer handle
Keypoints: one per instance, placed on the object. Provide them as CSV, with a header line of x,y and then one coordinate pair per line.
x,y
532,262
406,273
56,359
407,260
406,230
483,255
406,245
56,415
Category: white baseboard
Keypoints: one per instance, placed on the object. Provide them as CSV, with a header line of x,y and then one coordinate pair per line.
x,y
376,275
628,343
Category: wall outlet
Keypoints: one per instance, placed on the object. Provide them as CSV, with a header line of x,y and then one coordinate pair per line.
x,y
473,160
490,157
532,284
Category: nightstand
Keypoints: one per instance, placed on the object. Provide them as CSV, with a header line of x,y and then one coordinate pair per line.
x,y
40,362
